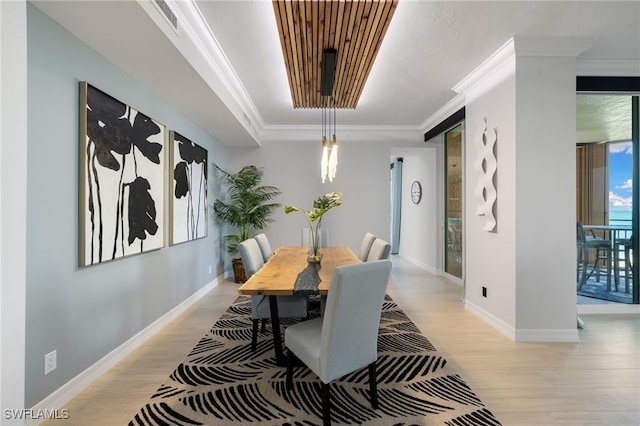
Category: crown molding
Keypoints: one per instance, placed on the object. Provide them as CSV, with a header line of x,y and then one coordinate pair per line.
x,y
551,46
608,67
497,63
346,133
497,60
196,42
202,34
443,113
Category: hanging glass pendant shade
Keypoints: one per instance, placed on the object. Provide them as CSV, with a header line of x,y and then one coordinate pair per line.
x,y
329,161
324,162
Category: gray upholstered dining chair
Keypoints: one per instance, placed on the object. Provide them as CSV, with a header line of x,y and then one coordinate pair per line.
x,y
345,339
602,248
380,249
372,248
265,246
365,247
288,306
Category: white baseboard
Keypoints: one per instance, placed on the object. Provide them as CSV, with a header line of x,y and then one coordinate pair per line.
x,y
548,336
69,390
419,263
492,320
524,335
609,308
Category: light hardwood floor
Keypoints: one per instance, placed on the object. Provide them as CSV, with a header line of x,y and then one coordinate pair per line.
x,y
593,382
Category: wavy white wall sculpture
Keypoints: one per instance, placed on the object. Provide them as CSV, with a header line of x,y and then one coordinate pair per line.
x,y
486,166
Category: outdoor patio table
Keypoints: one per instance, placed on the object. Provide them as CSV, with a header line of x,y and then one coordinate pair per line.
x,y
613,235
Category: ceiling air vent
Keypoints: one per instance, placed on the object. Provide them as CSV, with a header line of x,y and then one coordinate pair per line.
x,y
247,119
164,7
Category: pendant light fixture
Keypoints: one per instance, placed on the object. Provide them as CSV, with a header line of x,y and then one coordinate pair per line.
x,y
311,33
324,162
329,160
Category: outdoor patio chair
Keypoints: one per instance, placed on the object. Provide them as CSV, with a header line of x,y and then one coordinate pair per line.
x,y
602,249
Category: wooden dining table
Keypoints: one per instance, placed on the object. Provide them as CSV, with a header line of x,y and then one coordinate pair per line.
x,y
287,273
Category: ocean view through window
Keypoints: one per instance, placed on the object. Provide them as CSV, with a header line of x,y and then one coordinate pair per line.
x,y
620,183
605,204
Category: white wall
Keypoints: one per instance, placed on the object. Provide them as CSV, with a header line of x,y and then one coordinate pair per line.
x,y
491,256
363,177
545,196
421,228
527,264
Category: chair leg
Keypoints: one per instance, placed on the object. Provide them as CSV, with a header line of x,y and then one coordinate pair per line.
x,y
615,282
373,389
596,265
627,267
583,276
616,269
578,264
254,335
326,404
289,380
264,325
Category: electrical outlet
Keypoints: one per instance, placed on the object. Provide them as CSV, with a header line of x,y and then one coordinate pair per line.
x,y
50,362
210,269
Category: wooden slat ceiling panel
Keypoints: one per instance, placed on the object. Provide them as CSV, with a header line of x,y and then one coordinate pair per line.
x,y
308,27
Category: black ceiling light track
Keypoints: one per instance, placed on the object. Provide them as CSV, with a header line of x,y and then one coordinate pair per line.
x,y
329,57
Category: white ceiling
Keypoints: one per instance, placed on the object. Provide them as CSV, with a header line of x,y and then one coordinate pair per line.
x,y
603,118
242,96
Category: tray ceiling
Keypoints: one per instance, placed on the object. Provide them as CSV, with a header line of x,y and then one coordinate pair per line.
x,y
355,29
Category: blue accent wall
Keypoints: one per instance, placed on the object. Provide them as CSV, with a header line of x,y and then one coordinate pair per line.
x,y
86,313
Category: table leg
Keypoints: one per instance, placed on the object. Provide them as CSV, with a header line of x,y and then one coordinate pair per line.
x,y
275,330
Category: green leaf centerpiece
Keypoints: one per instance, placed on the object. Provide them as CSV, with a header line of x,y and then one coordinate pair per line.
x,y
321,205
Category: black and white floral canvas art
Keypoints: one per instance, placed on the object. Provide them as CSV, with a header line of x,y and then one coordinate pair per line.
x,y
122,172
189,190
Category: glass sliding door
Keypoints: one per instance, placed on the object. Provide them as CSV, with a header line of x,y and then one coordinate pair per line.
x,y
453,259
605,179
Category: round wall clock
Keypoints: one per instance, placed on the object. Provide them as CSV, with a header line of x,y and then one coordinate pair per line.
x,y
416,192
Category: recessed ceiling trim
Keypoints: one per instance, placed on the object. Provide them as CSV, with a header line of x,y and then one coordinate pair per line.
x,y
608,67
355,29
551,46
201,48
501,59
391,134
447,110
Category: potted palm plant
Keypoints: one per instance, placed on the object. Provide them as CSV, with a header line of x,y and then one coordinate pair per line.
x,y
247,209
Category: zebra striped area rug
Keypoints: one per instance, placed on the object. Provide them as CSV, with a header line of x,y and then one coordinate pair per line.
x,y
221,382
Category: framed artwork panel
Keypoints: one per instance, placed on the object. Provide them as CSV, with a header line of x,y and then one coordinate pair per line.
x,y
188,208
122,179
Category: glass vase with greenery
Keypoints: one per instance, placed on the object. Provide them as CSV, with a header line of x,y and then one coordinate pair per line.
x,y
321,205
